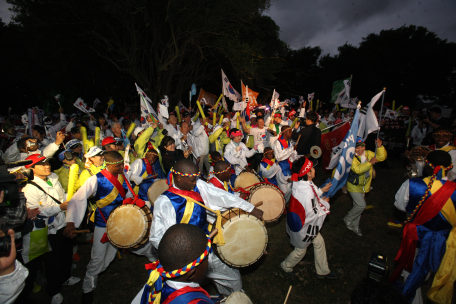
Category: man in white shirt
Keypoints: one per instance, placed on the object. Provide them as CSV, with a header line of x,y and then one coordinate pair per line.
x,y
260,139
46,193
27,146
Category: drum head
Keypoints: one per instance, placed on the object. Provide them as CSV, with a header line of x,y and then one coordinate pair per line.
x,y
245,237
315,151
157,189
273,201
237,297
128,226
246,179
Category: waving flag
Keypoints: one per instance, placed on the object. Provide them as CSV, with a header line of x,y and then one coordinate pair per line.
x,y
310,96
331,140
341,91
81,105
252,95
207,98
368,122
57,97
228,89
127,159
347,151
96,102
148,115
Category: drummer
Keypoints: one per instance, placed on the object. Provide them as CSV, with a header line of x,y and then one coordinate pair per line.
x,y
221,176
285,153
109,190
215,157
268,167
143,174
177,205
305,218
181,245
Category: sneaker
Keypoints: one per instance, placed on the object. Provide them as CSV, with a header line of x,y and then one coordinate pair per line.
x,y
348,224
87,298
357,231
331,276
71,281
57,299
290,275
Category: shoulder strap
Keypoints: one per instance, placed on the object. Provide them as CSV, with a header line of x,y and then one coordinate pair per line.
x,y
36,185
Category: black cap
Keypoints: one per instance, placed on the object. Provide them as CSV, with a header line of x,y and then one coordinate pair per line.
x,y
185,114
75,130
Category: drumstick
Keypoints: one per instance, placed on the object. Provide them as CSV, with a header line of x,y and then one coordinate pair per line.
x,y
299,137
213,233
286,299
260,203
81,231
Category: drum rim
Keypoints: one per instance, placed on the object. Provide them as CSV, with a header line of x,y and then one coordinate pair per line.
x,y
254,188
234,210
144,236
261,180
157,180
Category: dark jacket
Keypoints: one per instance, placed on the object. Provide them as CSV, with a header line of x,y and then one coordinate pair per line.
x,y
310,136
169,158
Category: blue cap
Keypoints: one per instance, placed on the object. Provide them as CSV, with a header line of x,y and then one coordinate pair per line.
x,y
62,154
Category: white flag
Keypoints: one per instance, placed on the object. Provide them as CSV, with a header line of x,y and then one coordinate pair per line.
x,y
391,114
228,89
310,96
344,95
148,115
96,102
367,120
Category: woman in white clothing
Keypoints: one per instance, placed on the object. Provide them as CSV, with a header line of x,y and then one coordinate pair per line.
x,y
236,152
418,133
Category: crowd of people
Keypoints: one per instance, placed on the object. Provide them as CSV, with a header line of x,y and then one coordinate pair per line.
x,y
201,155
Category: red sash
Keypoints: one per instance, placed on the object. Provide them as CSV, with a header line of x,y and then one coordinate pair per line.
x,y
184,290
192,194
214,181
430,208
114,181
283,142
268,161
149,169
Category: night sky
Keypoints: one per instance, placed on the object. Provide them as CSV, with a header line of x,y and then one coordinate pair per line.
x,y
331,23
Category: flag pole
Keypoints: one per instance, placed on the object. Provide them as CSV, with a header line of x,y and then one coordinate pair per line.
x,y
190,100
340,123
380,120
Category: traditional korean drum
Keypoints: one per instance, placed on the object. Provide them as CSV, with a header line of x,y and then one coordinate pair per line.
x,y
128,226
245,237
237,297
247,179
273,201
157,189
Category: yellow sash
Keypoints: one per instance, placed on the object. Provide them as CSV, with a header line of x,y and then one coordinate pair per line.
x,y
108,199
218,239
442,286
447,148
136,189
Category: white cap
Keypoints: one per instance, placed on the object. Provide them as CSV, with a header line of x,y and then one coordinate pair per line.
x,y
138,130
225,120
94,151
252,116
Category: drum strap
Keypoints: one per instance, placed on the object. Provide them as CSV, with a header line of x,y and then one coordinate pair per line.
x,y
218,239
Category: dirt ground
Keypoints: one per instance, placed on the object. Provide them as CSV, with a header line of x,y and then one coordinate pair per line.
x,y
348,255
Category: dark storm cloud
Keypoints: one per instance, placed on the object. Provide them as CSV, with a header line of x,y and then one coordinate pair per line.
x,y
331,23
4,13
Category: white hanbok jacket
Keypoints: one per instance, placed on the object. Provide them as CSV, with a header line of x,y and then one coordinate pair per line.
x,y
213,197
238,157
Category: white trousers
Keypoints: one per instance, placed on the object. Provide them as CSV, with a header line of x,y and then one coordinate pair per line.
x,y
321,261
227,279
286,189
102,256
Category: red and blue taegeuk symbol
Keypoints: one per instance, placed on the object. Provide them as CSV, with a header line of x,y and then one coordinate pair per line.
x,y
231,89
296,216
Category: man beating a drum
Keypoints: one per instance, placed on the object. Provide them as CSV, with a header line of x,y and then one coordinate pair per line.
x,y
181,246
183,203
221,176
268,166
284,153
109,190
305,218
143,173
